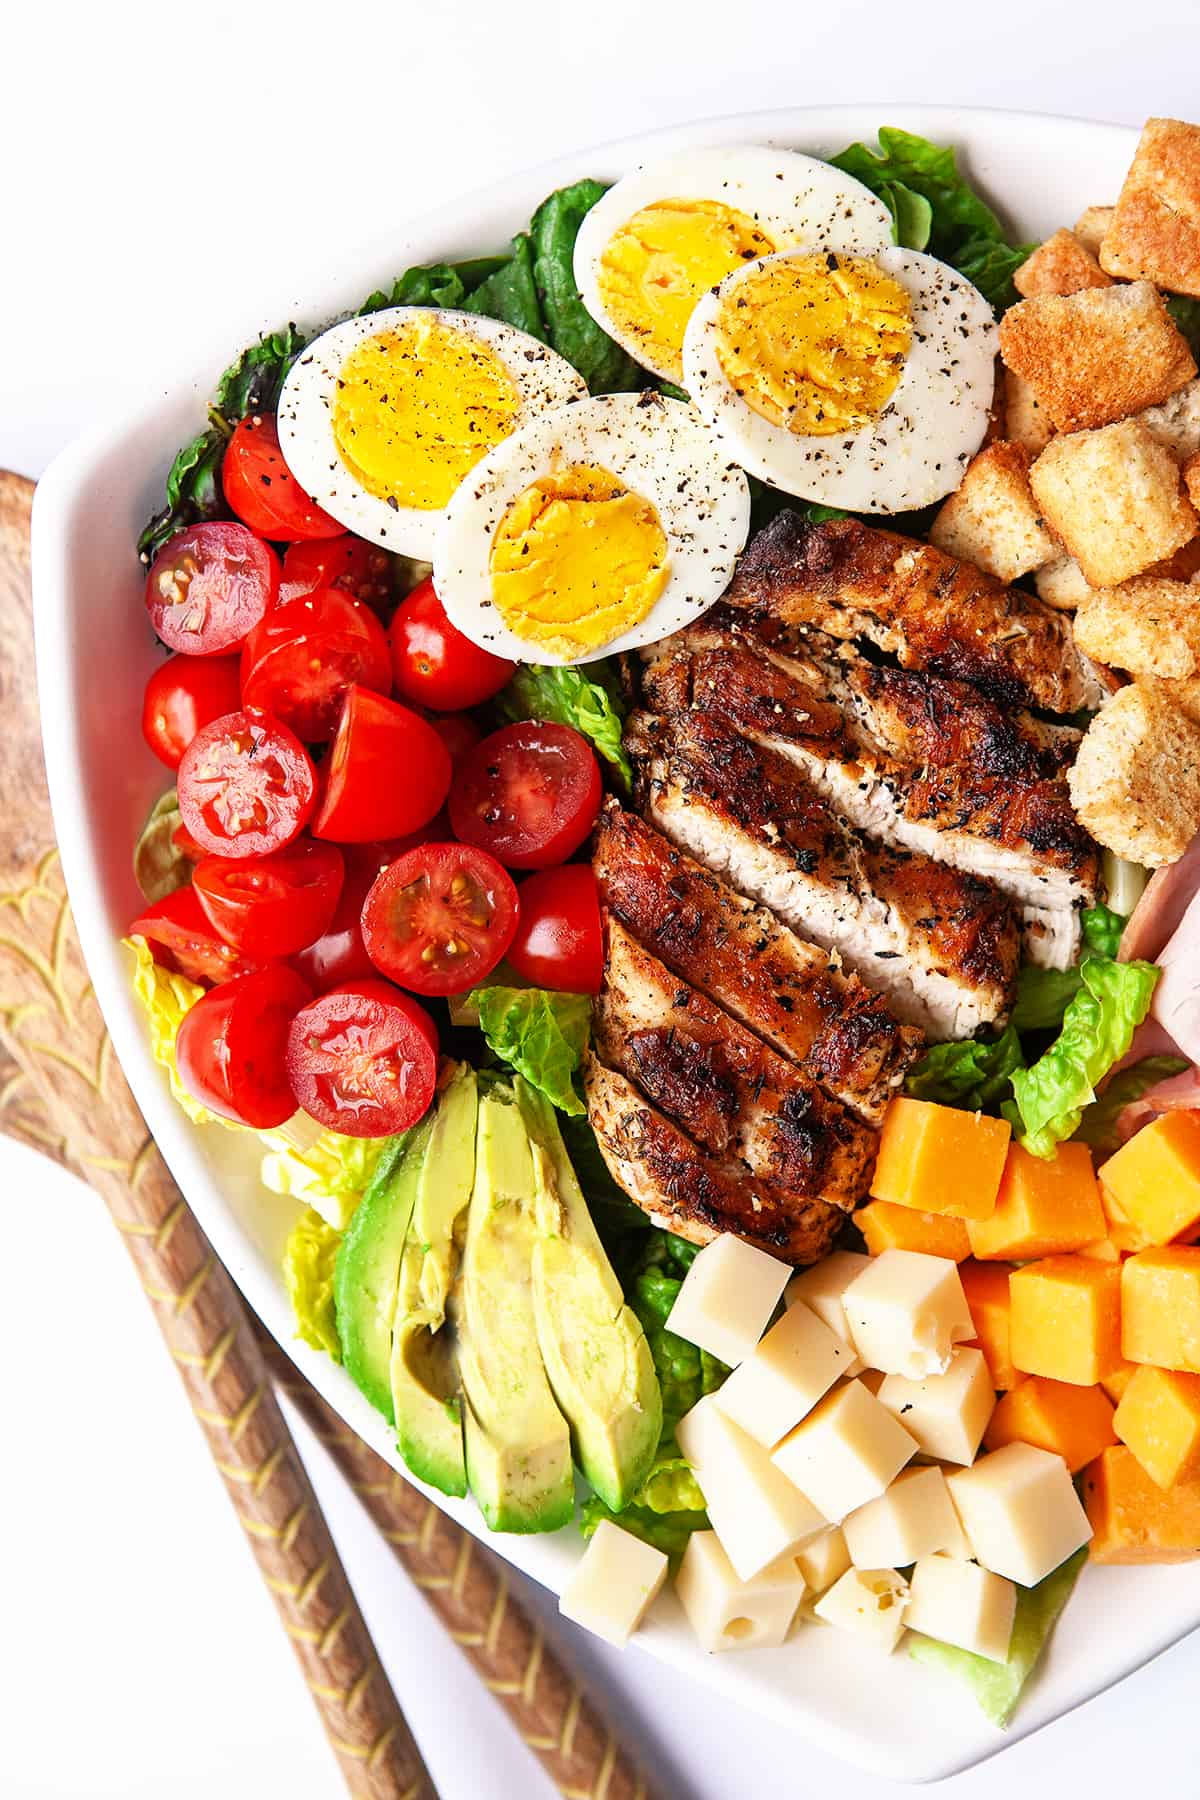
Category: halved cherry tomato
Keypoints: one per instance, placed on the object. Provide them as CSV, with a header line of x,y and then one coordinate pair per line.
x,y
299,660
272,905
178,926
231,1047
246,786
208,586
363,570
186,844
262,490
387,773
558,942
362,1060
528,794
435,665
439,918
459,733
184,694
340,955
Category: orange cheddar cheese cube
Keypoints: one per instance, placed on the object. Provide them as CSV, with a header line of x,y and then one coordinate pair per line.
x,y
1155,1178
1160,1308
1103,1250
1066,1319
886,1226
1045,1206
1121,1230
986,1288
939,1159
1135,1521
1118,1379
1159,1420
1075,1423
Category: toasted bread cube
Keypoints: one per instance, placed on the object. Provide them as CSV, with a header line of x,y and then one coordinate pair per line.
x,y
727,1613
1066,1318
822,1287
847,1451
886,1226
1046,1205
946,1414
757,1512
940,1159
915,1517
1159,1420
1025,419
1146,626
824,1559
869,1602
1115,498
1062,584
907,1312
1091,226
1176,423
1135,1521
1155,227
986,1288
1020,1512
727,1298
1062,265
1097,355
992,520
959,1603
614,1583
1155,1178
797,1361
1075,1423
1184,696
1191,478
1135,782
1160,1308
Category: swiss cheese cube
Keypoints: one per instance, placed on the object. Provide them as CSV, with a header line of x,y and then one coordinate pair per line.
x,y
727,1613
940,1159
727,1298
613,1584
907,1311
1133,1519
1160,1308
959,1603
1075,1423
915,1517
1020,1512
986,1288
797,1361
1155,1178
886,1226
845,1452
946,1414
756,1511
821,1288
824,1559
1045,1205
1159,1420
868,1602
1066,1318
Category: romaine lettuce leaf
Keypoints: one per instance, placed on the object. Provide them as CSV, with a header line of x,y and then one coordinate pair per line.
x,y
328,1171
570,328
973,1075
433,284
586,699
1102,930
667,1531
1098,1127
997,1686
1097,1029
1043,996
542,1035
510,292
159,866
912,215
308,1259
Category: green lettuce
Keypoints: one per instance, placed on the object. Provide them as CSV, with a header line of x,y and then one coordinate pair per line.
x,y
1102,930
327,1170
308,1259
542,1035
434,284
972,1075
1097,1029
1043,995
997,1686
570,328
667,1531
159,865
587,699
1185,310
1098,1126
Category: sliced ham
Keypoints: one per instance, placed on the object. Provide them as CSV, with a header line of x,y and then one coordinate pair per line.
x,y
1179,1093
1159,912
1176,1004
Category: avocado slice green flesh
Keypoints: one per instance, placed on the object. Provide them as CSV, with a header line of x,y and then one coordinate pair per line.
x,y
424,1365
518,1447
367,1270
593,1346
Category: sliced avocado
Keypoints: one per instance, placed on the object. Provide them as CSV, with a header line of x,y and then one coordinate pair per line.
x,y
593,1346
367,1269
518,1447
424,1363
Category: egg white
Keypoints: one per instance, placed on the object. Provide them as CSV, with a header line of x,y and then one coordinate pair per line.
x,y
915,452
662,451
305,417
794,199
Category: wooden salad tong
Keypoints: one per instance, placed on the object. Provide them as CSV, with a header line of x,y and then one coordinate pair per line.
x,y
62,1091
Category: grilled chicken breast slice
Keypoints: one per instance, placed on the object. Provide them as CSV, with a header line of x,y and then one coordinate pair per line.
x,y
786,990
739,1099
690,1192
927,608
940,945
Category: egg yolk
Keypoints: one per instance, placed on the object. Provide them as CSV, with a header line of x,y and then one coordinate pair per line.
x,y
577,558
417,406
656,266
815,344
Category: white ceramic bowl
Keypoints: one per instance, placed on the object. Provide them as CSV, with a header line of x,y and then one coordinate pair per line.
x,y
94,652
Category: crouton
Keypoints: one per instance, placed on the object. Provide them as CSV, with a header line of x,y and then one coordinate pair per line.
x,y
1097,355
1191,479
1115,499
993,520
1060,266
1135,783
1183,694
1025,421
1155,229
1061,584
1176,423
1147,627
1091,226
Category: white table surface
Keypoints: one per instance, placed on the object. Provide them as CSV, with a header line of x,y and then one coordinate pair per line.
x,y
152,154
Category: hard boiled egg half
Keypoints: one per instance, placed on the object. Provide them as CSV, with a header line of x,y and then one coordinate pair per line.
x,y
597,527
861,378
670,230
381,417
